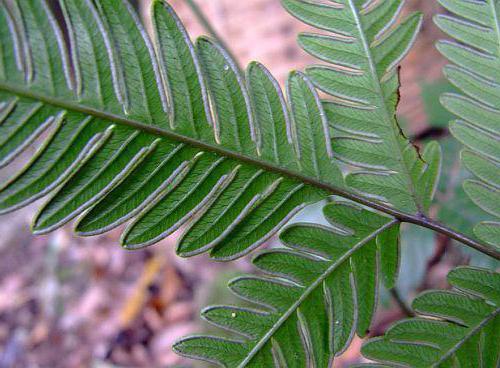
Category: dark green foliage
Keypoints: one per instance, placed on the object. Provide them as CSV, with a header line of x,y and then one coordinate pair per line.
x,y
133,137
362,54
455,328
313,295
164,133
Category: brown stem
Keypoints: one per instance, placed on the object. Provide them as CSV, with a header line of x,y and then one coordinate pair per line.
x,y
405,308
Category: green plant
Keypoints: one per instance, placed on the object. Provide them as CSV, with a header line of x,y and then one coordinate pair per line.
x,y
165,133
474,73
463,328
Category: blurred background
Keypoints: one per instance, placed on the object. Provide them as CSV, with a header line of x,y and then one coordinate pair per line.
x,y
85,302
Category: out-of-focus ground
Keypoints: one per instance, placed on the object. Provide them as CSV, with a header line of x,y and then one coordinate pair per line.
x,y
70,302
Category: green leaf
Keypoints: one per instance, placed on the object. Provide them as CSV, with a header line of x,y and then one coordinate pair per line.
x,y
459,327
476,73
361,76
457,209
162,133
158,134
388,244
313,295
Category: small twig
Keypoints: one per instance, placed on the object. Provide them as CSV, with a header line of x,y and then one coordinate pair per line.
x,y
430,133
210,29
405,308
442,245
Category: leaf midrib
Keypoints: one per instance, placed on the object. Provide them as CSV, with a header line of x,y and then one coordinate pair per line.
x,y
310,289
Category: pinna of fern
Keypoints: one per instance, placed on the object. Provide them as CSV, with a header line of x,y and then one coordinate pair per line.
x,y
476,73
164,133
158,135
313,296
363,48
454,328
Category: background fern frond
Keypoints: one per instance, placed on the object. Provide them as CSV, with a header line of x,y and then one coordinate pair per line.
x,y
476,72
314,293
459,327
363,49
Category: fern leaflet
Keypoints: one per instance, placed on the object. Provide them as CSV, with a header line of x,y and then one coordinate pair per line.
x,y
457,328
162,135
476,25
363,55
316,292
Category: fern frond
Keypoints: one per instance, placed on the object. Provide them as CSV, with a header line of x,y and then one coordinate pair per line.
x,y
363,52
476,55
457,328
160,133
315,293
